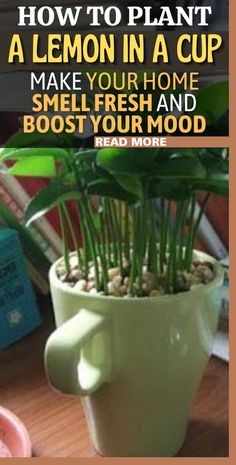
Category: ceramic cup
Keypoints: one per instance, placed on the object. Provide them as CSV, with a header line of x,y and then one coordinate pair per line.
x,y
14,438
136,362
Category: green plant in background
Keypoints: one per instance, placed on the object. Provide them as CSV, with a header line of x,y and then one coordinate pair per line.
x,y
119,229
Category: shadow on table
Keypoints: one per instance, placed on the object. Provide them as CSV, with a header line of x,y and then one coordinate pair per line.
x,y
203,439
209,438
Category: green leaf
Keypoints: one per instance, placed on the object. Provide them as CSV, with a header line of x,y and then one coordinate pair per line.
x,y
96,220
87,156
131,184
35,167
48,198
215,164
213,101
170,189
215,184
181,167
20,139
49,139
29,152
106,188
126,161
69,178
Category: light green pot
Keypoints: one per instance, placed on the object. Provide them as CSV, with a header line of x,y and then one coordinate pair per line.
x,y
137,362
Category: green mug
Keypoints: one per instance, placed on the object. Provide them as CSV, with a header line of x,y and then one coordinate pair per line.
x,y
137,362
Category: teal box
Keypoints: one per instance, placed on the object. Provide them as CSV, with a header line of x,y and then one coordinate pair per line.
x,y
18,310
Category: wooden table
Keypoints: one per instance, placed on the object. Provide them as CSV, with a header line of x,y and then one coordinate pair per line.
x,y
57,424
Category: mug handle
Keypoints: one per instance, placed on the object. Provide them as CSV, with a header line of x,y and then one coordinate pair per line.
x,y
63,353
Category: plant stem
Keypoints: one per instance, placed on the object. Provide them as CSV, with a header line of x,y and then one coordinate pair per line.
x,y
133,261
88,225
104,240
118,236
162,233
108,232
197,224
103,254
90,235
189,246
153,249
66,251
173,263
112,230
139,248
73,235
181,248
144,223
101,250
85,241
127,234
164,236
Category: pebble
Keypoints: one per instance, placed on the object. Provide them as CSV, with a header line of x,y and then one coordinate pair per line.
x,y
188,276
111,288
154,293
196,280
74,262
92,272
61,270
93,291
126,281
75,275
90,285
123,290
117,281
200,273
81,285
114,290
208,274
204,273
112,273
147,276
145,287
191,279
148,286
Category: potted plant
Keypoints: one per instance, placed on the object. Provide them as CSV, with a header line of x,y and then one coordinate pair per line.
x,y
136,306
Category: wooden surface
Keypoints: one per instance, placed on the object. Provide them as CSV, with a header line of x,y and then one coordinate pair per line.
x,y
57,425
